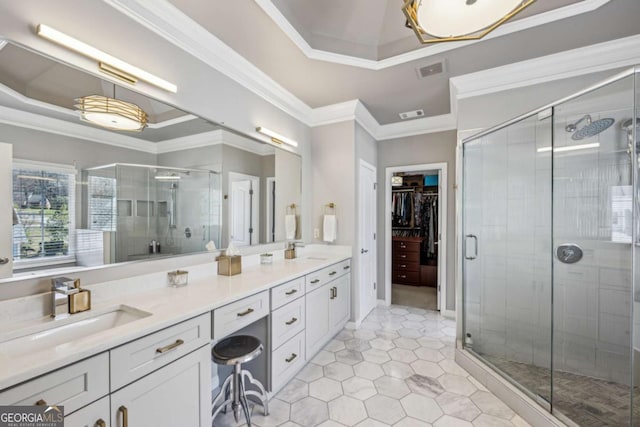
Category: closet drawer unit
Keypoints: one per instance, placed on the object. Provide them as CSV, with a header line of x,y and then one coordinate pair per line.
x,y
143,356
286,322
74,386
287,360
287,292
237,315
405,246
406,277
403,257
399,266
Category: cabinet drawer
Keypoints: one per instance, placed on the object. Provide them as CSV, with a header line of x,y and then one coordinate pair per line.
x,y
405,246
287,361
287,322
345,266
404,256
90,415
237,315
399,266
282,294
143,356
73,387
406,277
318,278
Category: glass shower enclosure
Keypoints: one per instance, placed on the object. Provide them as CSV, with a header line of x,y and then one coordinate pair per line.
x,y
550,233
147,211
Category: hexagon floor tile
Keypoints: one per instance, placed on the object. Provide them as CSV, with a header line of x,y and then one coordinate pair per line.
x,y
396,370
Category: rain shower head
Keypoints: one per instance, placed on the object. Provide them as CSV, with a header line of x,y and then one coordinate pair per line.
x,y
590,129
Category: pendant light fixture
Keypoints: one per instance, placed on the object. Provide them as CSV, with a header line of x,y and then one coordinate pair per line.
x,y
111,113
435,21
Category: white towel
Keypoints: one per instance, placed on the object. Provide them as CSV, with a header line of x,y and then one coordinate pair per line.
x,y
290,226
329,228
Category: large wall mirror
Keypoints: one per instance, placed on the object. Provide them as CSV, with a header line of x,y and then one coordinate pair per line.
x,y
86,195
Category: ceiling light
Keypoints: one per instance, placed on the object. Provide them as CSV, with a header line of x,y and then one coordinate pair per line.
x,y
569,148
436,21
107,63
276,137
111,113
167,177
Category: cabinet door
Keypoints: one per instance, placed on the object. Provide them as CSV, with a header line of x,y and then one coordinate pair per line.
x,y
95,415
178,394
318,328
339,312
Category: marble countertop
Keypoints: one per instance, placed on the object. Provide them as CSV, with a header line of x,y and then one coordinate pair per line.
x,y
206,291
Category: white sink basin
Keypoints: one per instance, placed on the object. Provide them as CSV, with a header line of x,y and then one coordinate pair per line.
x,y
54,333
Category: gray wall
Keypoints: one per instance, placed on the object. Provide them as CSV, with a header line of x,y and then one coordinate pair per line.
x,y
414,150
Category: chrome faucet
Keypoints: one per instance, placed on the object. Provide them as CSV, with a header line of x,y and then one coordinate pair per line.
x,y
61,288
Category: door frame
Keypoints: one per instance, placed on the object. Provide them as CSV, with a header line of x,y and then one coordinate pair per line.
x,y
443,187
255,204
373,249
269,207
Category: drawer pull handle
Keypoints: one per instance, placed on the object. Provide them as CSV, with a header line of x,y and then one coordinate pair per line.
x,y
403,256
125,415
346,267
291,292
331,295
403,276
315,281
335,292
292,321
332,273
101,423
169,347
403,265
403,246
244,313
41,402
290,359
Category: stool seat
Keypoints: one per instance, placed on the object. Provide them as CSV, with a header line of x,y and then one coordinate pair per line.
x,y
237,349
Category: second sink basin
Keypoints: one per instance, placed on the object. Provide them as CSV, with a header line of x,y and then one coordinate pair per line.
x,y
54,333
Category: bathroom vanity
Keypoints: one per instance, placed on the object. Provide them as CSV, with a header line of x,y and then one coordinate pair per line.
x,y
145,359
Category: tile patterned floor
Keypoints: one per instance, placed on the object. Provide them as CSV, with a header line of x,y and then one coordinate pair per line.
x,y
397,370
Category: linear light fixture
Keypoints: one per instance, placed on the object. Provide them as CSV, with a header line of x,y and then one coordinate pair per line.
x,y
167,177
569,148
436,21
276,137
107,63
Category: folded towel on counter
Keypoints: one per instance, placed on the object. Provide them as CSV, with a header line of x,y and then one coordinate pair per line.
x,y
329,228
290,226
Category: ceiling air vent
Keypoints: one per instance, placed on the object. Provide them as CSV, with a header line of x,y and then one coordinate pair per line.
x,y
411,114
430,70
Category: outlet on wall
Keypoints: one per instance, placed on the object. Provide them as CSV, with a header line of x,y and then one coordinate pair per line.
x,y
316,233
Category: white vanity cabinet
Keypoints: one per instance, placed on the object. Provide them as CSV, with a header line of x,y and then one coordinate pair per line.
x,y
327,306
95,415
179,394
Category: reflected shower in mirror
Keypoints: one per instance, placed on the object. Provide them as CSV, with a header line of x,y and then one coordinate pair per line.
x,y
85,195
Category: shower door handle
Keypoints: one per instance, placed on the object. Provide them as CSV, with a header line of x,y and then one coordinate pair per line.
x,y
466,246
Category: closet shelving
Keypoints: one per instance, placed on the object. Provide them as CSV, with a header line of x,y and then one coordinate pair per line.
x,y
414,231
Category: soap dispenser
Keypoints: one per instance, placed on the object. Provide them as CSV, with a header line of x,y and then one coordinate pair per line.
x,y
81,300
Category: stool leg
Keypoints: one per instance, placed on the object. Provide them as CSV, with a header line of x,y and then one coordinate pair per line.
x,y
263,393
237,379
222,394
244,403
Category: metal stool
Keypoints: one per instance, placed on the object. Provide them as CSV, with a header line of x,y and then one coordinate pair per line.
x,y
236,351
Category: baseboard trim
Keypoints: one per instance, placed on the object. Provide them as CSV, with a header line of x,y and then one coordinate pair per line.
x,y
521,404
383,303
449,314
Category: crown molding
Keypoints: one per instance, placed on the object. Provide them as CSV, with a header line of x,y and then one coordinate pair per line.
x,y
164,19
281,21
624,52
215,137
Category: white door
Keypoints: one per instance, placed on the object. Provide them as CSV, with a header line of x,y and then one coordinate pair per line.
x,y
244,206
6,211
367,239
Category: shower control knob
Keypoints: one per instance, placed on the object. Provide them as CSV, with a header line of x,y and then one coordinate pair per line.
x,y
569,253
4,261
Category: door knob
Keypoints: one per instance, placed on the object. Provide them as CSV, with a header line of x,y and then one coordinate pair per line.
x,y
364,251
4,261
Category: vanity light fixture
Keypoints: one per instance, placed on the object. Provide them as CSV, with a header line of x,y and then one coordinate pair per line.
x,y
276,137
435,21
569,148
108,64
167,177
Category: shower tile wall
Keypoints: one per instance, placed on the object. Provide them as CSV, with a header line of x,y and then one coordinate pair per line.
x,y
592,297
